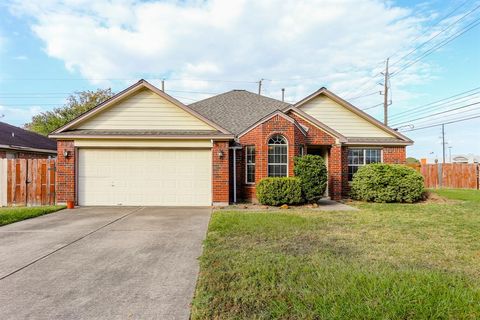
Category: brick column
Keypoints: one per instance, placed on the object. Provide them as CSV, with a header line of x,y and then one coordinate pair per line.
x,y
65,186
220,173
335,172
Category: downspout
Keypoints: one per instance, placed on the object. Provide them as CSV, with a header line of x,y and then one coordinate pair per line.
x,y
234,175
235,148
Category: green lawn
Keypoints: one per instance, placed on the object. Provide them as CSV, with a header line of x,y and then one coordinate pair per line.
x,y
387,261
14,214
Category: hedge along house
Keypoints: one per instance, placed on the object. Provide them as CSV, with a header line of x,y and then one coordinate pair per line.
x,y
144,147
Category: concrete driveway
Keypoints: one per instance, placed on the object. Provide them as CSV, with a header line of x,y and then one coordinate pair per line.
x,y
102,263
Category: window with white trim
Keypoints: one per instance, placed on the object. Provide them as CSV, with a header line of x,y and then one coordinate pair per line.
x,y
250,164
277,156
301,150
360,157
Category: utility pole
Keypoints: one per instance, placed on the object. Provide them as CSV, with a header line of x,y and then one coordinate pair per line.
x,y
260,86
443,141
385,93
283,94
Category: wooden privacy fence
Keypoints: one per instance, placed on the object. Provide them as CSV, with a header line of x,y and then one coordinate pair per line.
x,y
27,182
450,175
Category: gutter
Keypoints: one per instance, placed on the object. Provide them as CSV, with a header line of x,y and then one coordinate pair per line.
x,y
20,148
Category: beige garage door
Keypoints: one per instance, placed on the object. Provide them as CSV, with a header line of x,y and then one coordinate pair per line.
x,y
154,177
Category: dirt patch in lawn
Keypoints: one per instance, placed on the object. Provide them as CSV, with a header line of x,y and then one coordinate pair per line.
x,y
435,198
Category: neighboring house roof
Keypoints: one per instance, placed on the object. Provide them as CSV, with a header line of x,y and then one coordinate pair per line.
x,y
16,138
237,110
466,158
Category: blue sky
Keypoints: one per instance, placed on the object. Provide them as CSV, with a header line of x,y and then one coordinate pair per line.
x,y
50,50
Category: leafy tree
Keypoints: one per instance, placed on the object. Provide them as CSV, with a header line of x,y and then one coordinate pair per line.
x,y
412,160
76,104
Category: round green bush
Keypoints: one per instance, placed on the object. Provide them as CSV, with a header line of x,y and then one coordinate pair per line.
x,y
312,172
278,191
381,182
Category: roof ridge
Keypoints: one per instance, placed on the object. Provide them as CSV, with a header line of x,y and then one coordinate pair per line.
x,y
240,90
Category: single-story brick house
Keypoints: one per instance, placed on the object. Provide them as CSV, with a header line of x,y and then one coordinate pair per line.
x,y
18,143
144,147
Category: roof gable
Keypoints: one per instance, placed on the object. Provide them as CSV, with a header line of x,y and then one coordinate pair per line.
x,y
345,118
270,116
141,106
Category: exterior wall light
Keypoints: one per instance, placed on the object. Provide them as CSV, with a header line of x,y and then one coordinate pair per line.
x,y
220,154
66,153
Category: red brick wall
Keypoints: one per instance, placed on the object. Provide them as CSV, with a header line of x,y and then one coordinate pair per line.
x,y
394,155
315,135
220,173
65,172
259,137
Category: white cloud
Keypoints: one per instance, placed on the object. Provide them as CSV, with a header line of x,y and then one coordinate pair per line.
x,y
20,57
333,43
18,116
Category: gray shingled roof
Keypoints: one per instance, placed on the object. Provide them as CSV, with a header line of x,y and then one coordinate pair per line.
x,y
17,137
373,140
238,109
131,132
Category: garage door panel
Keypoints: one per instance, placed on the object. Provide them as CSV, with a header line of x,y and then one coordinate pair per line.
x,y
144,177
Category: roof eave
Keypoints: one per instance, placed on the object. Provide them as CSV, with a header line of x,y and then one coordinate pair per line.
x,y
159,136
29,149
368,143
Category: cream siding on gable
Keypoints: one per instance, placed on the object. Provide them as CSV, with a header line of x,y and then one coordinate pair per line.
x,y
341,119
144,110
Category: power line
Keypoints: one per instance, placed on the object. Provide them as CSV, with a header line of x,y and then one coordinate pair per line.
x,y
439,124
130,79
438,46
365,95
439,33
59,94
440,106
412,110
433,25
438,113
375,106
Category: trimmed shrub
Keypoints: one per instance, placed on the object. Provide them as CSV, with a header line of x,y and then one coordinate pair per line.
x,y
381,182
278,191
312,172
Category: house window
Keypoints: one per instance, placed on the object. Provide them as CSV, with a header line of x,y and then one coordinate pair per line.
x,y
277,156
250,164
301,150
361,157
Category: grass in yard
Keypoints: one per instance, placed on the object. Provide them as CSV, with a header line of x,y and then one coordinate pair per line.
x,y
387,261
14,214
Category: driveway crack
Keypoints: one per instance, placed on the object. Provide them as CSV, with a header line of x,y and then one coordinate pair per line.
x,y
71,242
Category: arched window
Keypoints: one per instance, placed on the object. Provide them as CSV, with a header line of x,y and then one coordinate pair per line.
x,y
277,156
